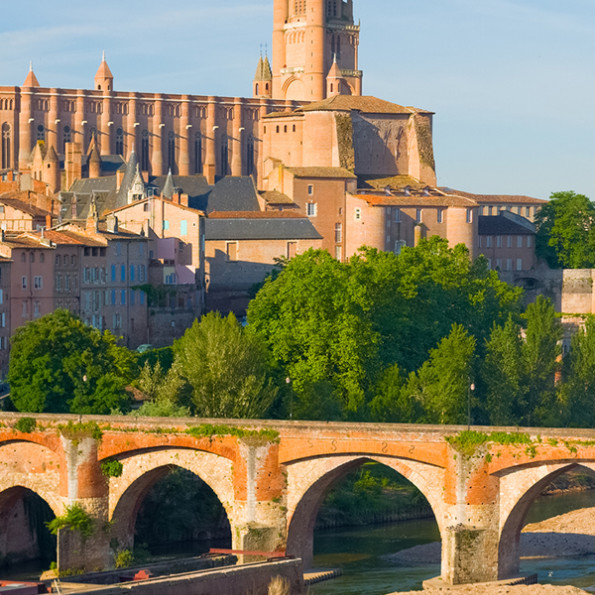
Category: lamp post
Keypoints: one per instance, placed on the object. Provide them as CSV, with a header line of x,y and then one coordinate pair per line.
x,y
469,390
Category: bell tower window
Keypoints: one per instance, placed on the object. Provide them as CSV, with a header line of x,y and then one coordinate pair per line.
x,y
6,144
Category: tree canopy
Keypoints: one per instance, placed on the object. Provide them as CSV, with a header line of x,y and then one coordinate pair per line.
x,y
58,364
340,326
565,233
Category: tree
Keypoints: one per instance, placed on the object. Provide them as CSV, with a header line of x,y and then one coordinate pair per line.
x,y
577,392
540,353
225,368
502,374
392,402
565,234
313,320
59,364
442,384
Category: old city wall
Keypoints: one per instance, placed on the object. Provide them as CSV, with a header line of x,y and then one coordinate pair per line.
x,y
271,478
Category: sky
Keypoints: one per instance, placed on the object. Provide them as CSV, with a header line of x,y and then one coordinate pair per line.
x,y
512,82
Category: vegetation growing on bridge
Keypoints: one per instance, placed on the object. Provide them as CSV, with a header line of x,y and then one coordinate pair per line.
x,y
112,468
26,425
80,430
75,518
468,442
211,431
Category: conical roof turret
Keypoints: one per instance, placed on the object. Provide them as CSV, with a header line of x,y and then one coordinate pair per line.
x,y
31,80
104,79
263,70
168,188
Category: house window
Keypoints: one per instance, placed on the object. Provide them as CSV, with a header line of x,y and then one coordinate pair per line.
x,y
311,209
123,272
113,296
24,282
123,297
338,233
418,215
183,227
232,251
498,241
397,215
113,272
25,309
142,298
527,211
519,264
499,264
3,318
339,253
488,241
519,241
37,282
165,224
141,272
469,215
357,214
131,272
480,241
439,215
509,264
529,241
310,189
509,241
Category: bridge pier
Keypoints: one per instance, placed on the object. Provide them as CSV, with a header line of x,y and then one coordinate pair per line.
x,y
86,488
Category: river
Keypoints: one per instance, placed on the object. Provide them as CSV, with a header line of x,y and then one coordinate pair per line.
x,y
359,552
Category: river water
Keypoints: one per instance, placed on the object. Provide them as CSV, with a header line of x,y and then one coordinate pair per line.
x,y
359,552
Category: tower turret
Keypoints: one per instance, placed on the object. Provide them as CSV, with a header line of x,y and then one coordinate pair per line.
x,y
307,34
31,80
263,79
104,79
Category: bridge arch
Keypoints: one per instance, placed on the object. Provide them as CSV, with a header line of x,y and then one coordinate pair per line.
x,y
142,471
519,488
23,534
309,481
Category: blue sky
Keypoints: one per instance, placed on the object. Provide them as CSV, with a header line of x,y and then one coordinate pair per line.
x,y
512,82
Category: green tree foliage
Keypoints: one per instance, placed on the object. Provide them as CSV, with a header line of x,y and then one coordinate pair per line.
x,y
577,392
503,375
541,351
442,384
58,364
225,368
343,325
565,234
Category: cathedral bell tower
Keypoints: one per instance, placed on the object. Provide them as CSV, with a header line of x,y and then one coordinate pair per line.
x,y
311,38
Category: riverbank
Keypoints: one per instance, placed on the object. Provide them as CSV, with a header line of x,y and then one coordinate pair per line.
x,y
570,534
503,590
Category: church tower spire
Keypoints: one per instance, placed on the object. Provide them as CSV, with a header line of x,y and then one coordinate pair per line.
x,y
104,79
307,35
262,85
31,80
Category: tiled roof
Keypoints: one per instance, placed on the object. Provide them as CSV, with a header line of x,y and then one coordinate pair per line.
x,y
364,103
233,193
497,198
255,215
321,172
396,183
23,241
11,200
156,198
196,187
416,200
290,228
69,238
503,225
274,197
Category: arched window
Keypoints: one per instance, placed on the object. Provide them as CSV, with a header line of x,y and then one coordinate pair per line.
x,y
224,155
119,142
41,132
66,136
198,153
144,151
6,145
250,156
171,151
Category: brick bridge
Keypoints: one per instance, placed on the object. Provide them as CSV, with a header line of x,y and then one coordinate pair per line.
x,y
272,486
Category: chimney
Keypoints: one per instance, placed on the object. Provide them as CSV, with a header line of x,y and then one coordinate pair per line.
x,y
48,221
184,199
112,224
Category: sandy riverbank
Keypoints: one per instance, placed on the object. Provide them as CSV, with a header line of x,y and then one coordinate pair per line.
x,y
571,534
